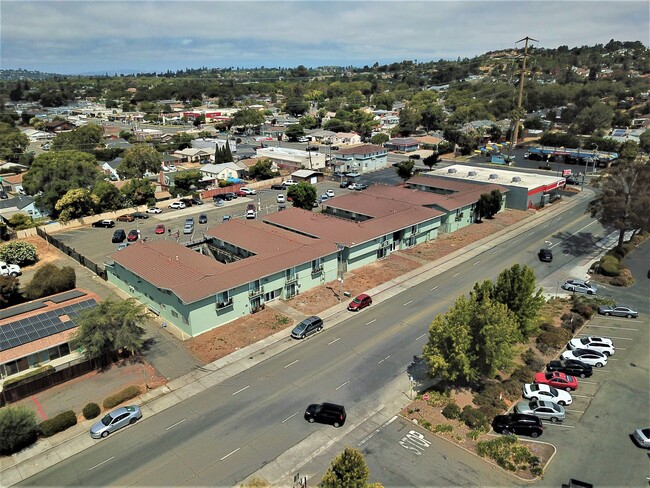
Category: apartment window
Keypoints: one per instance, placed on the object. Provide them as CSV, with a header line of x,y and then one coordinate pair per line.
x,y
174,314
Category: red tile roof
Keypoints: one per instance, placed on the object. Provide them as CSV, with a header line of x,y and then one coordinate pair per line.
x,y
363,149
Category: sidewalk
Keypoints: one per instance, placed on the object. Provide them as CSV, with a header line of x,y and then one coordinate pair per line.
x,y
48,452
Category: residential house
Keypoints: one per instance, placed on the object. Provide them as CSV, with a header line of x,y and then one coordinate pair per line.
x,y
119,143
361,159
191,154
346,138
308,175
320,135
13,183
20,204
110,168
405,144
37,135
57,126
292,159
429,142
213,172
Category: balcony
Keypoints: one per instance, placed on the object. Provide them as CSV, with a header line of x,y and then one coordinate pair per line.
x,y
317,269
292,278
256,292
226,304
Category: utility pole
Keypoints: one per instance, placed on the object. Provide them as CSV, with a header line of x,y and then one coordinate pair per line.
x,y
515,131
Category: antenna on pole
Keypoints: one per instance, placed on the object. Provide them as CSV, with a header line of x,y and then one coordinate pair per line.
x,y
517,115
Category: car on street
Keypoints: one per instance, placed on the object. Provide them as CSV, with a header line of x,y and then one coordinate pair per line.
x,y
203,219
600,344
277,186
326,413
360,302
545,255
177,205
280,198
246,191
330,193
154,210
618,311
580,286
642,437
541,409
133,235
139,215
312,148
125,218
558,380
303,139
310,325
115,420
535,391
106,223
160,229
517,423
594,358
118,236
570,366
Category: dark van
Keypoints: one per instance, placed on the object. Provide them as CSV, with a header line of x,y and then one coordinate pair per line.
x,y
119,235
307,327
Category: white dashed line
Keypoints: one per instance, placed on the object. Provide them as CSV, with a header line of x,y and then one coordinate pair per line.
x,y
420,337
410,301
239,391
382,360
583,382
457,274
574,411
291,364
372,321
495,251
290,417
435,287
341,386
337,339
98,465
559,424
477,262
229,454
583,396
177,423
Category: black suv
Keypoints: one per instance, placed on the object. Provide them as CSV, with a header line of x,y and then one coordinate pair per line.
x,y
307,327
119,235
518,423
326,413
572,367
545,255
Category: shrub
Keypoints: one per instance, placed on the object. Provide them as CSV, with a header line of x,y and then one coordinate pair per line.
x,y
90,411
572,322
443,428
29,376
508,453
49,280
523,374
59,423
474,418
18,429
475,433
18,252
490,395
546,326
583,309
512,389
426,424
438,398
532,360
624,278
552,339
491,411
124,395
609,266
451,411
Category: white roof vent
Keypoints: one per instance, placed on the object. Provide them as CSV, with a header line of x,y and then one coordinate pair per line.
x,y
516,179
494,176
451,170
472,173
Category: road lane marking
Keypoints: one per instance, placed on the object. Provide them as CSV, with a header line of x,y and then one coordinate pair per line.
x,y
609,327
435,287
531,233
98,465
372,321
419,337
337,339
477,262
407,303
457,274
291,364
559,424
239,391
515,241
583,396
177,423
290,417
382,360
575,411
229,454
583,382
495,251
341,386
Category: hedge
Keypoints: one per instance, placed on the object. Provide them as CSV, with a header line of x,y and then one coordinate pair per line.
x,y
59,423
451,411
91,410
609,266
124,395
474,418
585,310
552,339
28,377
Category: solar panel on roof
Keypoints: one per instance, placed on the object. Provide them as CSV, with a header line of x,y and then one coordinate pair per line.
x,y
60,327
4,345
21,309
14,342
32,336
69,295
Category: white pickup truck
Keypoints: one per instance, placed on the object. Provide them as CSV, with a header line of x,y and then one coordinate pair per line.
x,y
9,269
289,182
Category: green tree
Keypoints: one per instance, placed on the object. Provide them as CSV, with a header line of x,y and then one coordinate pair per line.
x,y
515,288
348,470
247,117
309,122
432,117
9,291
111,325
186,180
303,195
483,206
138,160
139,191
18,429
623,199
296,105
293,132
49,280
76,203
18,252
84,138
593,117
21,221
227,154
55,173
380,139
262,170
383,101
644,141
431,160
109,196
405,169
12,142
409,120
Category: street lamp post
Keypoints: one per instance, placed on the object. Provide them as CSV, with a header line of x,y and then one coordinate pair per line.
x,y
340,247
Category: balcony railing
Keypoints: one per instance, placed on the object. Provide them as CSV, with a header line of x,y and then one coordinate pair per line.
x,y
292,278
256,292
225,304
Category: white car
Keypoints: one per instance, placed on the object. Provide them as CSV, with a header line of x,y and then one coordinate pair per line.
x,y
289,182
303,139
330,193
281,198
537,391
587,356
600,344
154,210
580,286
177,205
248,191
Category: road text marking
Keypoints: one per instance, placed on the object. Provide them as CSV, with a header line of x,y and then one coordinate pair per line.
x,y
98,465
177,423
415,442
239,391
229,454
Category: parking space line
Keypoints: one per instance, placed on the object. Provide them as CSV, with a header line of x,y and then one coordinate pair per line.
x,y
291,364
239,391
382,360
477,262
583,396
433,288
177,423
588,382
457,274
609,327
622,319
612,359
559,424
98,465
495,251
612,337
574,411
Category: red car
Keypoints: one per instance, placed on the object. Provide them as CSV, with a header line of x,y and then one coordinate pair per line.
x,y
558,380
160,229
133,236
362,301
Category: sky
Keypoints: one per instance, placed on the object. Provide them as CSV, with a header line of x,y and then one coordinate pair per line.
x,y
98,36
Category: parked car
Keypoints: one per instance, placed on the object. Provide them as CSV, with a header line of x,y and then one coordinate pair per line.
x,y
247,191
545,255
571,366
307,327
344,184
588,356
542,409
107,223
196,201
229,196
115,420
330,193
203,219
219,202
313,148
335,148
125,218
277,186
303,139
160,229
289,183
122,246
118,236
517,423
178,205
572,180
642,437
557,380
280,198
618,311
326,413
154,210
360,186
360,302
324,197
225,218
600,344
580,286
535,391
139,215
133,235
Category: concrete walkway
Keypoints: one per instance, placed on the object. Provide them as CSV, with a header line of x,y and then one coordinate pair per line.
x,y
48,452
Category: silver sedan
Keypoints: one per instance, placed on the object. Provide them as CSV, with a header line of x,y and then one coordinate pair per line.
x,y
115,420
542,409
